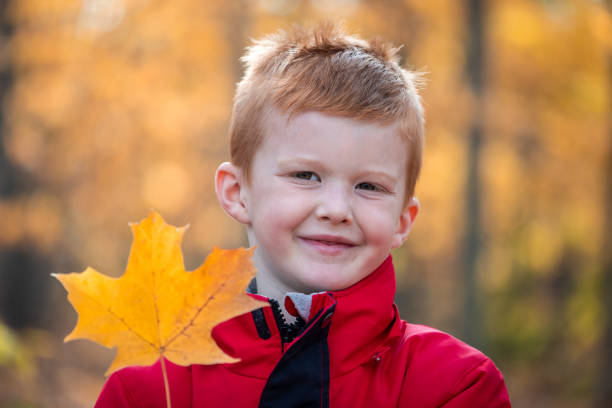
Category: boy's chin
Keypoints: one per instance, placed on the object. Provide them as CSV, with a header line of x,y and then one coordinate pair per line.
x,y
322,286
331,278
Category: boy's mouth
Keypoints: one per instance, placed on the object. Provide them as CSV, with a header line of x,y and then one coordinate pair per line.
x,y
328,242
330,239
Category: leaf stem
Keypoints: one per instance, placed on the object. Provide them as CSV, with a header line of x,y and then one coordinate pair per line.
x,y
166,385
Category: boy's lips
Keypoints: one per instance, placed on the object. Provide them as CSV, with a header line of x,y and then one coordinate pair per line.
x,y
328,244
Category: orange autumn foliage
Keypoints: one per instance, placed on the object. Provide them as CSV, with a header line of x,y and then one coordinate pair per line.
x,y
157,308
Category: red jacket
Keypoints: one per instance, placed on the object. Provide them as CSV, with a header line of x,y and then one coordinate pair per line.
x,y
354,352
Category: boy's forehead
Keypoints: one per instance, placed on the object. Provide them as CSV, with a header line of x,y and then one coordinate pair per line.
x,y
316,136
301,124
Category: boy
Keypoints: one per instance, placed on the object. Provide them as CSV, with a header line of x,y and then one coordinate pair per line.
x,y
326,141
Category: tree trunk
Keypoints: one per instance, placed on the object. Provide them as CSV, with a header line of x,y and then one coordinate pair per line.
x,y
603,394
475,50
23,277
7,186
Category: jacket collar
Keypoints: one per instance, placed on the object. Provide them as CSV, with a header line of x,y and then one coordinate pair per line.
x,y
363,322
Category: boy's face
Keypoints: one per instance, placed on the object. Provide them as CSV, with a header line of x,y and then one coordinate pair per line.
x,y
325,201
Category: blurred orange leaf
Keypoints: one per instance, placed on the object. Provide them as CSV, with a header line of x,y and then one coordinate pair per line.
x,y
158,309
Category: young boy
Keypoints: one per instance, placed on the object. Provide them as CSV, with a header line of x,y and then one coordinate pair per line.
x,y
326,141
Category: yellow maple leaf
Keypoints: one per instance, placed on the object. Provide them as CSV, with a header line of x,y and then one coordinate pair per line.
x,y
157,308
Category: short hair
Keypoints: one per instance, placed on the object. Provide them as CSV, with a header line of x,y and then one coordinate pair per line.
x,y
326,70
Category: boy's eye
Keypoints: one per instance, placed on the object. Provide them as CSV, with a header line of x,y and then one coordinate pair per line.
x,y
306,175
370,187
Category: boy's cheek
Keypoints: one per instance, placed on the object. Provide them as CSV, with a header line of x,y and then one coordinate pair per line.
x,y
382,231
271,229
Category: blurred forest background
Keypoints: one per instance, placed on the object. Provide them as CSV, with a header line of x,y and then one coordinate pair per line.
x,y
113,107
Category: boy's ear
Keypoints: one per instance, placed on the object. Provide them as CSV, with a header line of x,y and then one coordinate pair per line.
x,y
228,186
406,219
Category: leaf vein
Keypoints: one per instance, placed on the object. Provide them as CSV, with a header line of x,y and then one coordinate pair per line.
x,y
119,318
195,316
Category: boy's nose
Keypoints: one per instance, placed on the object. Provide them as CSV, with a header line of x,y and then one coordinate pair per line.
x,y
334,207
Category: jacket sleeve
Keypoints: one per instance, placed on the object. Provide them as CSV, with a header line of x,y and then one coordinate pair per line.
x,y
482,386
115,394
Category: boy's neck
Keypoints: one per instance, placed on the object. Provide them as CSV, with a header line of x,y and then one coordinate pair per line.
x,y
259,287
268,285
271,290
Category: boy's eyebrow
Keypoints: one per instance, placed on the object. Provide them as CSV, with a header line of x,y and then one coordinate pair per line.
x,y
285,161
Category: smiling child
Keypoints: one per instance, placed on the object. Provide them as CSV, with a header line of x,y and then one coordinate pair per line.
x,y
326,145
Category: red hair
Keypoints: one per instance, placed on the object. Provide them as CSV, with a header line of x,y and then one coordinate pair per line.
x,y
326,70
